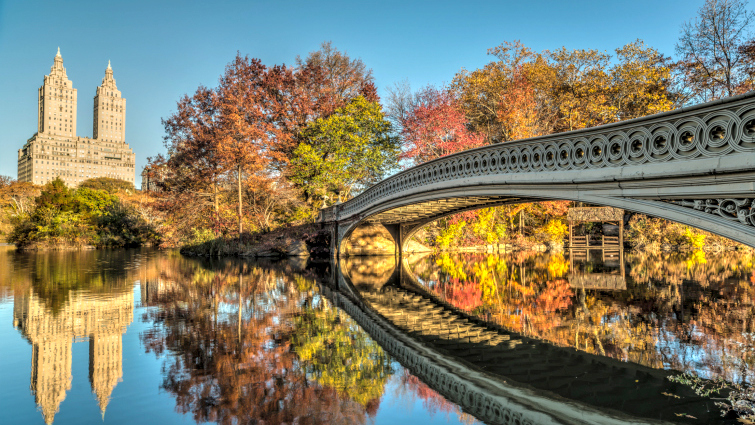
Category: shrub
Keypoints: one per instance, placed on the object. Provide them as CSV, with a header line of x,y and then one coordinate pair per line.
x,y
555,230
85,216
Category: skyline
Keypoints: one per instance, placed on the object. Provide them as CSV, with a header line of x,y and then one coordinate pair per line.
x,y
157,55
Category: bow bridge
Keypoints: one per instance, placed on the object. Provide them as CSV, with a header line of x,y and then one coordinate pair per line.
x,y
694,165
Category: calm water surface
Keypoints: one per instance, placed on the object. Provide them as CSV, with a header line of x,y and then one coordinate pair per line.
x,y
151,337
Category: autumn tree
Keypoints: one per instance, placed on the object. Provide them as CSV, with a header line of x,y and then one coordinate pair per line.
x,y
247,134
16,202
713,50
526,94
343,78
399,101
272,201
641,82
747,50
435,127
193,165
234,131
578,86
326,80
348,150
519,110
489,96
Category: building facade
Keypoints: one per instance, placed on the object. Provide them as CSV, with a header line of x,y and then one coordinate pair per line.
x,y
152,177
56,151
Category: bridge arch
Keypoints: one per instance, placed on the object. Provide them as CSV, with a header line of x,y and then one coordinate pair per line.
x,y
695,166
406,320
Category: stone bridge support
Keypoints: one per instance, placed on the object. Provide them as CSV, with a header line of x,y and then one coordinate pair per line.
x,y
370,238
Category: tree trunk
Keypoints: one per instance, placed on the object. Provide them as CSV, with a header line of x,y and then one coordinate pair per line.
x,y
241,229
215,199
520,221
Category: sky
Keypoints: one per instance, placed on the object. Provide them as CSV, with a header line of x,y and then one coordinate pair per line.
x,y
161,50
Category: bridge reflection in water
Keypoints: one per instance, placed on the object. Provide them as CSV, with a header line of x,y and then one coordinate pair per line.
x,y
501,376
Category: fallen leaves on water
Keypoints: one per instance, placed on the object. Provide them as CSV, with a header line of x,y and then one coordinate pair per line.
x,y
684,415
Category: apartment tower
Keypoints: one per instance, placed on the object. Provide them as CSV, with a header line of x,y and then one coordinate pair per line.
x,y
56,151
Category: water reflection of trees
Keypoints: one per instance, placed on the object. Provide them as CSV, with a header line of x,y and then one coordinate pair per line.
x,y
411,388
241,343
682,311
252,344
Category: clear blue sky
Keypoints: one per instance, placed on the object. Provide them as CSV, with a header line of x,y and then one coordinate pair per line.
x,y
161,50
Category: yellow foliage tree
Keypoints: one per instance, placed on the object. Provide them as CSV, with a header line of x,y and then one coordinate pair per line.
x,y
526,94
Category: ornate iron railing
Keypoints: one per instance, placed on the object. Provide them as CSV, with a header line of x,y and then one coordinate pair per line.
x,y
712,129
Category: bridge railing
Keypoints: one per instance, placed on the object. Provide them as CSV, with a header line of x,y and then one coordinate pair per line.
x,y
712,129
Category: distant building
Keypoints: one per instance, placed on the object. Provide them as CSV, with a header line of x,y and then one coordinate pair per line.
x,y
56,151
151,177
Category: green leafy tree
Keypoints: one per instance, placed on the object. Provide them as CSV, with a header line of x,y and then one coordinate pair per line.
x,y
56,196
93,202
348,150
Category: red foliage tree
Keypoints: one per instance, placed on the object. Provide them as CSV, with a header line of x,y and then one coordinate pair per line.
x,y
436,127
192,164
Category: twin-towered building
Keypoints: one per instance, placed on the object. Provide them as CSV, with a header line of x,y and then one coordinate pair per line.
x,y
55,150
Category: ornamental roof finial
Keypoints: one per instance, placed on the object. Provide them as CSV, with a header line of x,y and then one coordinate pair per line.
x,y
58,55
108,64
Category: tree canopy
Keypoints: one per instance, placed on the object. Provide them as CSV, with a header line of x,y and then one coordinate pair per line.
x,y
350,149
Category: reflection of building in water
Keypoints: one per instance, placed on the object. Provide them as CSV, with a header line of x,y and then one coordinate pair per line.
x,y
100,318
154,291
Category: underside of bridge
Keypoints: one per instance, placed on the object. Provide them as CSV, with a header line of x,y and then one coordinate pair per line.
x,y
403,222
729,217
432,210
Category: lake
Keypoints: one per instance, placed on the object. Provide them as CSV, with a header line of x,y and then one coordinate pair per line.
x,y
126,336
